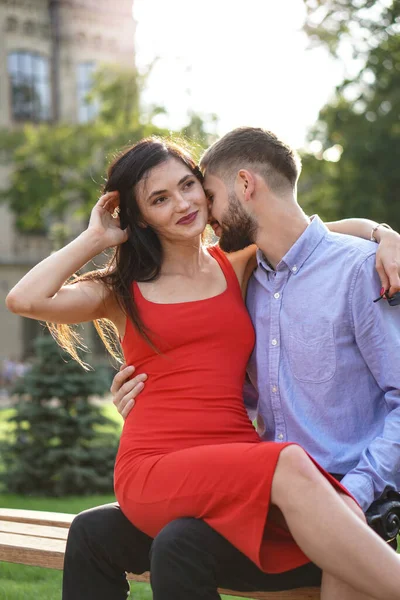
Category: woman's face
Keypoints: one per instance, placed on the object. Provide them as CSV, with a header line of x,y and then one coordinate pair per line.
x,y
172,201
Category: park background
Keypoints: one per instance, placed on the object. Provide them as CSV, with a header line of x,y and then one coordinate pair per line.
x,y
80,79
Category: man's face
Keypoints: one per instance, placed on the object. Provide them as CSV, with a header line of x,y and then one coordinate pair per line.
x,y
234,226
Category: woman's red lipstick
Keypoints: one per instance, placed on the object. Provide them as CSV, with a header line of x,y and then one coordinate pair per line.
x,y
188,219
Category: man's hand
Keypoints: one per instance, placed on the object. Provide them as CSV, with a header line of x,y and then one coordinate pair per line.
x,y
125,390
388,259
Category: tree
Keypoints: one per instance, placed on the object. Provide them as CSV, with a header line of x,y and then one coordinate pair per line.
x,y
362,24
362,122
62,444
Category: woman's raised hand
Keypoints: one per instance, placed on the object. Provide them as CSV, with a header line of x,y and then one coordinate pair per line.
x,y
104,221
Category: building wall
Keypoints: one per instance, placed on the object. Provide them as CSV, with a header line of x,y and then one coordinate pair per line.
x,y
90,31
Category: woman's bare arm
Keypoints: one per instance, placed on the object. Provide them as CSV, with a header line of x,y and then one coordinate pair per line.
x,y
41,293
358,227
388,253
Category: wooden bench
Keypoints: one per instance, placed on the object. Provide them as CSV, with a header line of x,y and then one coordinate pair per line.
x,y
37,538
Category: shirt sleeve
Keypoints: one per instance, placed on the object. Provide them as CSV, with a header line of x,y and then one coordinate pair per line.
x,y
377,333
250,397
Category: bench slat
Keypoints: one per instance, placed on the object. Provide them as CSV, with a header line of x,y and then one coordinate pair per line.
x,y
40,531
37,517
298,594
33,551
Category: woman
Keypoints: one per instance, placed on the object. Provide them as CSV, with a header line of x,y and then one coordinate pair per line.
x,y
178,308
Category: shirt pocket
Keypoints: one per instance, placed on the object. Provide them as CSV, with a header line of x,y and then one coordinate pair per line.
x,y
312,353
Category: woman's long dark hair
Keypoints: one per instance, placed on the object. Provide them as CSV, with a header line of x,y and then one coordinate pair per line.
x,y
140,257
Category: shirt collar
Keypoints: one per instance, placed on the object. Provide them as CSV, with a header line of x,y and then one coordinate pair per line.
x,y
301,249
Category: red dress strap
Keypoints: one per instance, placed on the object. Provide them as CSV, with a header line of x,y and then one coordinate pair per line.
x,y
226,267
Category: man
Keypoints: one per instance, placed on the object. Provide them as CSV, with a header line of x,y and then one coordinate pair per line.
x,y
324,373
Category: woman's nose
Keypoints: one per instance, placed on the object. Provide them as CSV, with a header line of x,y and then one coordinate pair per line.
x,y
182,203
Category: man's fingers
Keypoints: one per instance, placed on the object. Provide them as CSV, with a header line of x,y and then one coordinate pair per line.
x,y
127,409
125,406
120,377
128,389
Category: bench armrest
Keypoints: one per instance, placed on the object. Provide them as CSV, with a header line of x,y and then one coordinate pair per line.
x,y
384,516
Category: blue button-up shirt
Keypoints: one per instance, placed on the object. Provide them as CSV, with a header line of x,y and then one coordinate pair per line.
x,y
325,370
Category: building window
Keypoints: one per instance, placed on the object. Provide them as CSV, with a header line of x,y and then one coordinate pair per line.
x,y
11,24
30,86
87,109
29,28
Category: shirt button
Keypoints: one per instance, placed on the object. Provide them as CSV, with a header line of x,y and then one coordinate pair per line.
x,y
277,295
280,436
274,389
294,269
274,342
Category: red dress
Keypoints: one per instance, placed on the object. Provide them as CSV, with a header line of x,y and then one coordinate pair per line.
x,y
188,448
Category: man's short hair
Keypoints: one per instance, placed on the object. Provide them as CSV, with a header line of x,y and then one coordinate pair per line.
x,y
256,148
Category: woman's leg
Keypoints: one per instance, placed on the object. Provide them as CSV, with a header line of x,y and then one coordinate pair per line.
x,y
329,532
335,589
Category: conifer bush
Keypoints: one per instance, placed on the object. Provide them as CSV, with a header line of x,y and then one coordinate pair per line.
x,y
62,444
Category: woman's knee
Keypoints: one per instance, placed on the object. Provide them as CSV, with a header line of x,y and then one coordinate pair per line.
x,y
294,460
294,465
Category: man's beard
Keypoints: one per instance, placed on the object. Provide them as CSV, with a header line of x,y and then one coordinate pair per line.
x,y
238,228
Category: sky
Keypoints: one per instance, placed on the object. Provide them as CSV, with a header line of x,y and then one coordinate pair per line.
x,y
245,60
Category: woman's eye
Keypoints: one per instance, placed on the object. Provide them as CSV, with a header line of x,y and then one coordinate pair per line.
x,y
159,200
210,198
189,184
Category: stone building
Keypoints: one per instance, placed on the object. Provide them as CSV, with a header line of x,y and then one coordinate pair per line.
x,y
48,52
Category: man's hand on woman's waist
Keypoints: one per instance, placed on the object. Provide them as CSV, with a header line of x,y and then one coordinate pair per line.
x,y
125,388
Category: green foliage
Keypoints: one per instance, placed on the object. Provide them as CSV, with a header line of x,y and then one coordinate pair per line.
x,y
364,24
196,132
62,443
59,170
362,120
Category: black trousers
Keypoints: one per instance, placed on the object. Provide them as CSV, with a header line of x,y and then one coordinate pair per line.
x,y
188,560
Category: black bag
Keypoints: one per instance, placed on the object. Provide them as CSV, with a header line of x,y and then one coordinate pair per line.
x,y
384,517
